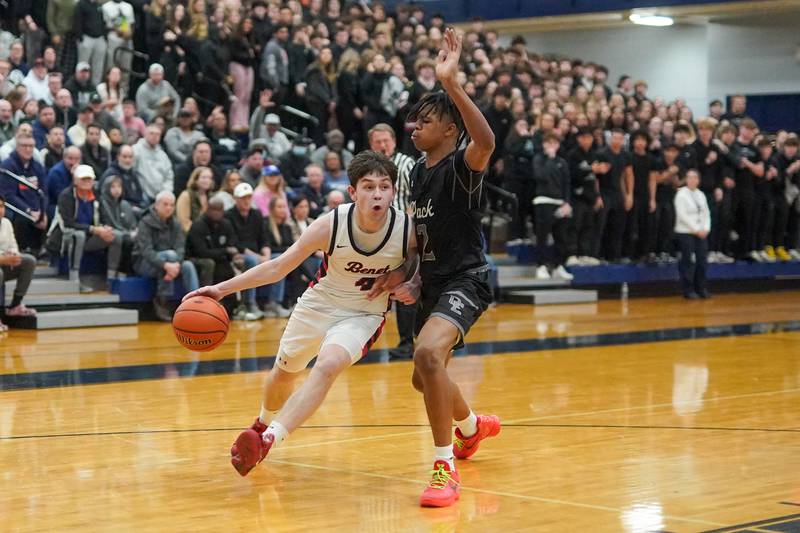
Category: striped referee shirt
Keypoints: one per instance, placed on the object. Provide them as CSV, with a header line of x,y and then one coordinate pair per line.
x,y
404,165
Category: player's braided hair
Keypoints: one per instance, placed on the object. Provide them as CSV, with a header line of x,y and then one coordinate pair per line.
x,y
440,104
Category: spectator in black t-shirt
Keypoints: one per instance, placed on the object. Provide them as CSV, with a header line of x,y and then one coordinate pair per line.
x,y
586,201
715,110
668,180
736,114
785,193
766,189
709,165
639,227
552,209
687,156
748,167
616,191
725,137
211,245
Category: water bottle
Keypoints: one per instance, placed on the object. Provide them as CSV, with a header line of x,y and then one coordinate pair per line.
x,y
624,291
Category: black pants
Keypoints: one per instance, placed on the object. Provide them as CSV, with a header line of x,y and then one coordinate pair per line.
x,y
693,263
764,219
523,190
29,237
547,223
611,227
773,218
721,221
744,217
581,230
638,236
406,318
793,225
664,226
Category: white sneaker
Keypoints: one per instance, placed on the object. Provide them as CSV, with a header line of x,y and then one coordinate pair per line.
x,y
514,242
755,255
542,273
561,273
574,261
725,259
283,312
765,256
713,257
795,254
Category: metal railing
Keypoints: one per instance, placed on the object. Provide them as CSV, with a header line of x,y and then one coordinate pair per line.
x,y
24,181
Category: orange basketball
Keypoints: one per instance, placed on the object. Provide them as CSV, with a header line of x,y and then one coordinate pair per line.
x,y
200,324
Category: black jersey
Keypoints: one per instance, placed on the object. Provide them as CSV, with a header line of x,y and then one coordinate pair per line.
x,y
445,201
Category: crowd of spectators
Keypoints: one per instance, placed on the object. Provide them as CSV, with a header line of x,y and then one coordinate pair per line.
x,y
196,139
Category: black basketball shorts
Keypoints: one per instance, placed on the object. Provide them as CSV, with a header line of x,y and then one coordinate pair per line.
x,y
460,301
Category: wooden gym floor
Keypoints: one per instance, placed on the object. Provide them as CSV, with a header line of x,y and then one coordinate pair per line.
x,y
647,415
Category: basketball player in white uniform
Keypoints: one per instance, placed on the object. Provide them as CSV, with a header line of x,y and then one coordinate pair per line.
x,y
333,320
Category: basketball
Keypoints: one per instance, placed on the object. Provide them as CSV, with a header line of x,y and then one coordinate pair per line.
x,y
200,324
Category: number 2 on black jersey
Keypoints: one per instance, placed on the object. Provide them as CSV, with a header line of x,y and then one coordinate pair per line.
x,y
422,233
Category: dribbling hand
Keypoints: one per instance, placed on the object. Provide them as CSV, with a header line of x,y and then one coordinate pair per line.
x,y
210,291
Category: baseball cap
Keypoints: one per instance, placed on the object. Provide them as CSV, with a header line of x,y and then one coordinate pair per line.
x,y
84,171
95,99
82,65
271,170
272,118
242,190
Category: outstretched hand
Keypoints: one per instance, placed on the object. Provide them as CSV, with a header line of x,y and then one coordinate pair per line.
x,y
210,291
447,61
387,282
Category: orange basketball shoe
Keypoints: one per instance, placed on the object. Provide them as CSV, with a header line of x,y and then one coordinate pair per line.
x,y
444,488
465,447
250,448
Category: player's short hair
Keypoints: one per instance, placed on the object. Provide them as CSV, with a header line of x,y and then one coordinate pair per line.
x,y
791,140
440,104
707,123
369,162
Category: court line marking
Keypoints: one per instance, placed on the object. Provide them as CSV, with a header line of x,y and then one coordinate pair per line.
x,y
540,499
511,422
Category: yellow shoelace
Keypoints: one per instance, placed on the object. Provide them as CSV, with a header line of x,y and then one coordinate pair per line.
x,y
440,478
459,443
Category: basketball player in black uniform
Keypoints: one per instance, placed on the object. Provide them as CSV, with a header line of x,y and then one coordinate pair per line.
x,y
445,200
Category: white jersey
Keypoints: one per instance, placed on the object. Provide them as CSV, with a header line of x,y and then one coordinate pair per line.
x,y
348,272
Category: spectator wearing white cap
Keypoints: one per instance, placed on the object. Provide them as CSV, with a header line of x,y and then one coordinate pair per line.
x,y
77,229
151,93
80,86
91,31
272,137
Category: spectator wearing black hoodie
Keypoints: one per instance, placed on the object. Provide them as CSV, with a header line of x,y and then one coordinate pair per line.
x,y
586,201
211,244
552,209
519,149
117,213
132,191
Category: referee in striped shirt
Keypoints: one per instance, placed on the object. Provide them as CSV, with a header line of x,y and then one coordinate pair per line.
x,y
382,139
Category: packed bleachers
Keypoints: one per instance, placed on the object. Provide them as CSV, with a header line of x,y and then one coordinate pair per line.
x,y
136,125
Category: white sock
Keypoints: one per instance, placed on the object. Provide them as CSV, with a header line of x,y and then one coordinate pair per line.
x,y
445,453
266,415
468,426
278,431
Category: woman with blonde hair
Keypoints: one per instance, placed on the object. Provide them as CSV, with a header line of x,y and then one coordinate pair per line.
x,y
225,193
193,202
271,186
349,111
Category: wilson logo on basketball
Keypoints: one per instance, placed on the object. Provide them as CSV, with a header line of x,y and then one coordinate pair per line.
x,y
187,341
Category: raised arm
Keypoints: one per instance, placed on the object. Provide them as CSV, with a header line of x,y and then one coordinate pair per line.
x,y
314,238
481,144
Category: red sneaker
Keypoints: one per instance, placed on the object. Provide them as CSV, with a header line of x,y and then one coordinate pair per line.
x,y
488,426
250,448
444,488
